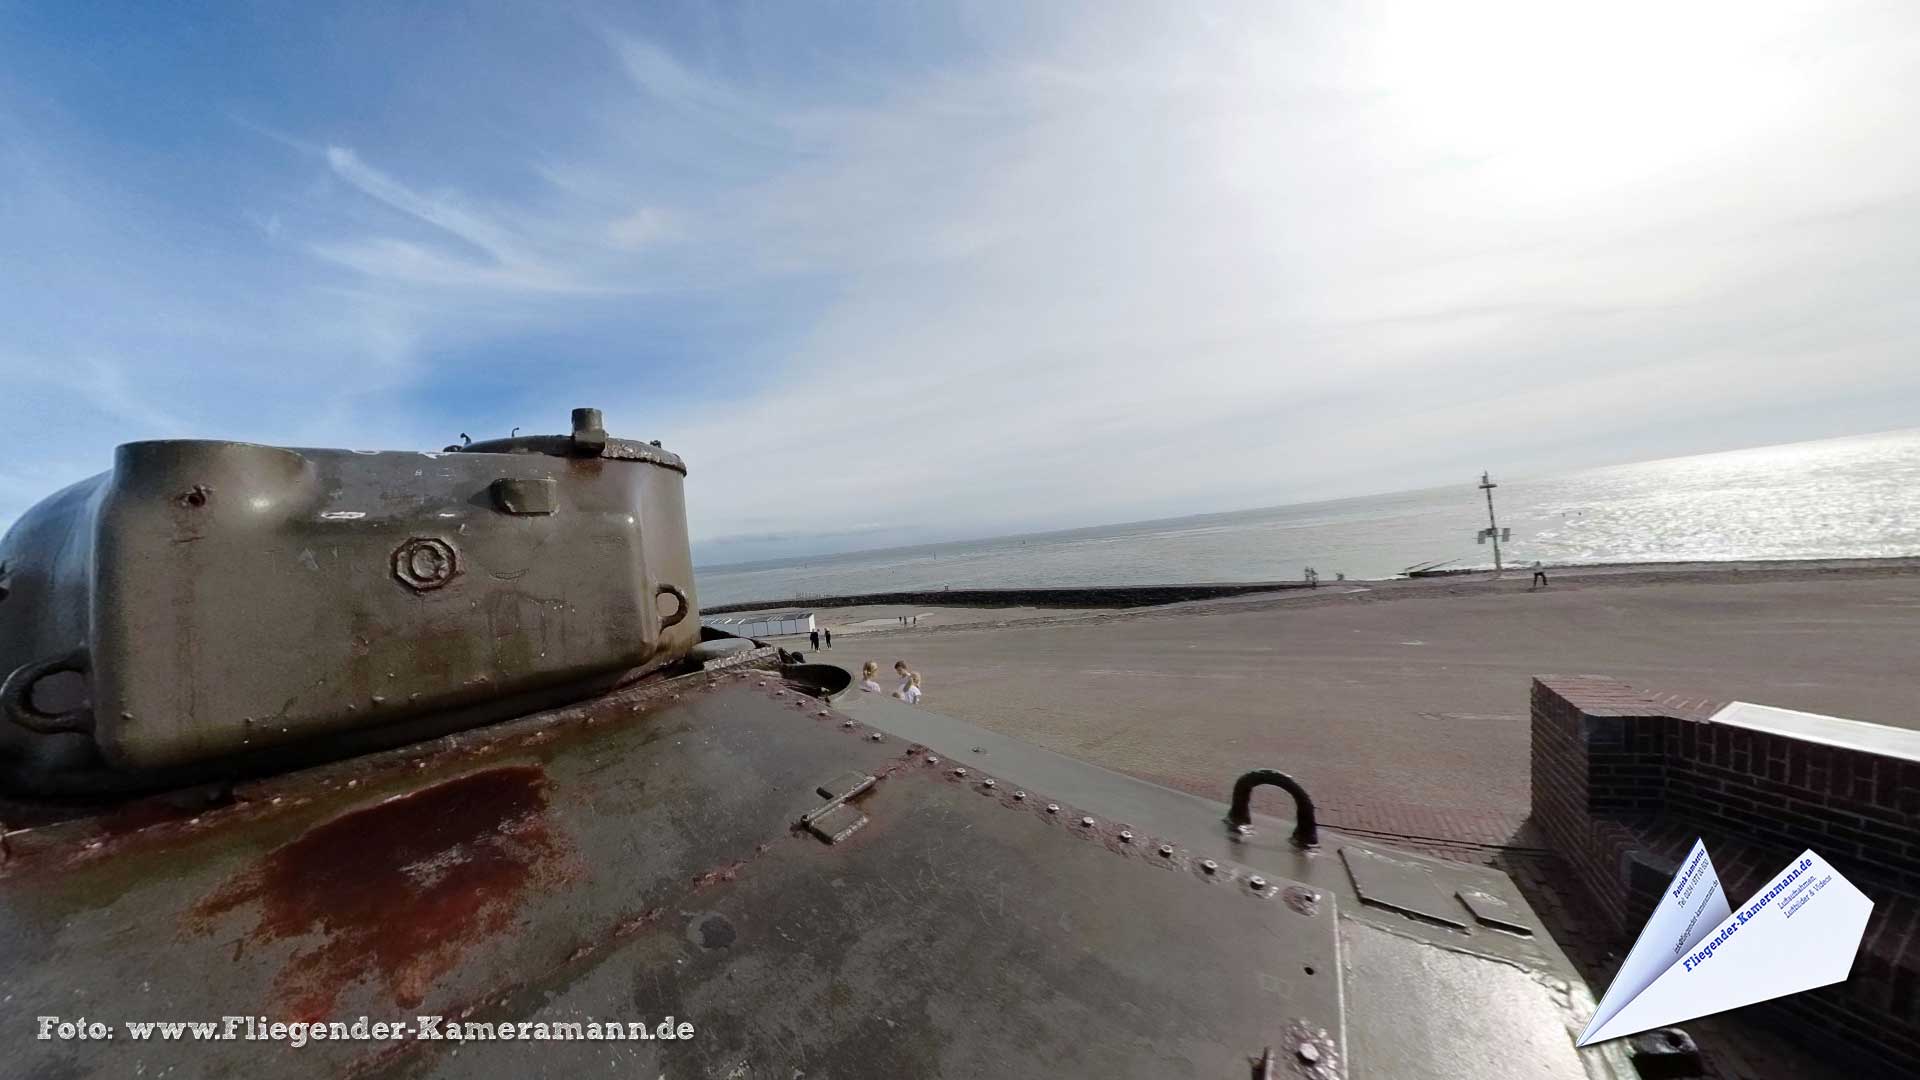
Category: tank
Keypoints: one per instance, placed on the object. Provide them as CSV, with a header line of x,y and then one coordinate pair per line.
x,y
220,607
523,821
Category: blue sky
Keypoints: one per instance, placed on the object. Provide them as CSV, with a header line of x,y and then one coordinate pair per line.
x,y
890,273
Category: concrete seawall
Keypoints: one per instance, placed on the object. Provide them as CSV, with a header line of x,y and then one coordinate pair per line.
x,y
1089,596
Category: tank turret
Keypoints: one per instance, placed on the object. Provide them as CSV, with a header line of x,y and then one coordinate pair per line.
x,y
211,608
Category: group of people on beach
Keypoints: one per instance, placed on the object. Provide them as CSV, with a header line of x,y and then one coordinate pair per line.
x,y
909,690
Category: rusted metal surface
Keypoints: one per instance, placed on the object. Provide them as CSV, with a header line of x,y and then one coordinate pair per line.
x,y
397,889
237,609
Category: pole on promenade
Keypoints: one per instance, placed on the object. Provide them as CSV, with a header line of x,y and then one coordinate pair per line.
x,y
1493,527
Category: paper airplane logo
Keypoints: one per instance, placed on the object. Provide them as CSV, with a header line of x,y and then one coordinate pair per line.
x,y
1697,957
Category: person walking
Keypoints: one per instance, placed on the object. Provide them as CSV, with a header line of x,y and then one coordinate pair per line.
x,y
814,636
827,636
1539,576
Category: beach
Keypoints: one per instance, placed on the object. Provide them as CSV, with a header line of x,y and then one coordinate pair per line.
x,y
1402,705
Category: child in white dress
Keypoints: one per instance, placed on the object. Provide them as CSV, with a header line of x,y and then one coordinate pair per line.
x,y
909,691
867,671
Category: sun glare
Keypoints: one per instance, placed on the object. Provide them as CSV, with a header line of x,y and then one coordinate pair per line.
x,y
1548,100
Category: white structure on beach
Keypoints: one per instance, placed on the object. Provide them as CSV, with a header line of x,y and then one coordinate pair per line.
x,y
758,626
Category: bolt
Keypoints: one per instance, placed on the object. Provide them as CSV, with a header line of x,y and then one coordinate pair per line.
x,y
1019,794
875,736
987,782
1053,808
1086,822
1257,882
1209,865
846,723
959,772
931,760
1309,1053
1126,837
823,714
1166,851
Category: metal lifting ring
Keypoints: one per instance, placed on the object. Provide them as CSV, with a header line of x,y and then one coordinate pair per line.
x,y
1306,831
16,696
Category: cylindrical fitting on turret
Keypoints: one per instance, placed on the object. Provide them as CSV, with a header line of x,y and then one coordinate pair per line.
x,y
589,432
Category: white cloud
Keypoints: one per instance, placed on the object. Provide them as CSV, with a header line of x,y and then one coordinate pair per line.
x,y
1155,261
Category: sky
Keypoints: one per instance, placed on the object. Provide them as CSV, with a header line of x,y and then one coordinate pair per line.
x,y
886,273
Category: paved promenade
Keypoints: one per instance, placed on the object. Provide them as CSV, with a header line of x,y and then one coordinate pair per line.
x,y
1403,709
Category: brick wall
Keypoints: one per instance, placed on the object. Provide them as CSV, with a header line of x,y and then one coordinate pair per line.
x,y
1624,780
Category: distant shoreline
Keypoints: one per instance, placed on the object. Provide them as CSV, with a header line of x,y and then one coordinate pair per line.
x,y
1135,596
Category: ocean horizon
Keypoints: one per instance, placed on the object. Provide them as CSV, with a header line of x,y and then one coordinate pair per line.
x,y
1855,496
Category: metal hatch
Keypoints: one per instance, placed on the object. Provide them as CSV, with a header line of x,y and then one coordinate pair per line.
x,y
1402,885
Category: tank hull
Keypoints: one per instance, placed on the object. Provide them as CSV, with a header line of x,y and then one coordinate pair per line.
x,y
662,852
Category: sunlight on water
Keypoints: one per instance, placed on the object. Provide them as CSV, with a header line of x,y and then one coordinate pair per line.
x,y
1856,497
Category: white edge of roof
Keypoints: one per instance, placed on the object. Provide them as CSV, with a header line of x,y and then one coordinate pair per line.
x,y
1837,731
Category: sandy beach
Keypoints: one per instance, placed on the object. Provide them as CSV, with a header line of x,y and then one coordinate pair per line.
x,y
1402,705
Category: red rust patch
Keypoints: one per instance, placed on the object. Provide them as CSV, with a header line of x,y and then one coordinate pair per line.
x,y
398,889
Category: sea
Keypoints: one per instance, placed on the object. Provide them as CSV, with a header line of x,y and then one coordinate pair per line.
x,y
1853,497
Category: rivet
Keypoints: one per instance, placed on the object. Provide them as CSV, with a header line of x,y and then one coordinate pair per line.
x,y
1019,794
1053,808
988,782
1309,1053
1257,882
1126,837
1086,822
1209,865
875,736
959,772
1166,851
